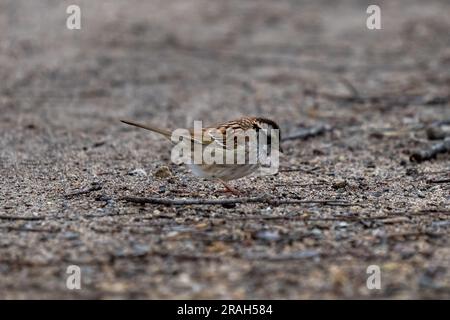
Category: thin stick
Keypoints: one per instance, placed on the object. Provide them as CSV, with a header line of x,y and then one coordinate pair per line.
x,y
231,201
304,185
439,181
94,187
298,169
9,217
423,155
308,133
12,228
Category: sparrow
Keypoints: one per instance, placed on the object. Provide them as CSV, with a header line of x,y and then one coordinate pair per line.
x,y
224,136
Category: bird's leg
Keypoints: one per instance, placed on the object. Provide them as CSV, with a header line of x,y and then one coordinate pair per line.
x,y
229,188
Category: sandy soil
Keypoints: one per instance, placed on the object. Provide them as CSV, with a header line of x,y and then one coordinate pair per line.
x,y
304,64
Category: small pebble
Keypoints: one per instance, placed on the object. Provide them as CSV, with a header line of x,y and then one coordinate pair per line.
x,y
338,184
411,171
69,235
377,194
316,232
138,172
163,172
103,197
435,133
229,205
341,225
268,235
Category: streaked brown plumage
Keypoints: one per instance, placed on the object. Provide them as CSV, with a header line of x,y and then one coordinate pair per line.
x,y
222,172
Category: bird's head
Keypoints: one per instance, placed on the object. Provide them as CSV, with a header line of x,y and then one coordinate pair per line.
x,y
271,129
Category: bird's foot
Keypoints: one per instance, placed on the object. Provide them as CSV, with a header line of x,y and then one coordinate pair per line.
x,y
229,188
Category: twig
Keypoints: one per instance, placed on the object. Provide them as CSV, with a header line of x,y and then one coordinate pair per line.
x,y
334,97
301,255
94,187
9,217
385,99
13,228
306,218
298,169
270,201
439,123
435,172
304,185
308,133
414,234
439,181
423,155
427,212
185,256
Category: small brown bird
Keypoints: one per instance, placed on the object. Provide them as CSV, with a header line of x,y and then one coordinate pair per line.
x,y
219,135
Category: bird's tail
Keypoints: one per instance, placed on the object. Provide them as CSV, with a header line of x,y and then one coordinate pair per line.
x,y
164,132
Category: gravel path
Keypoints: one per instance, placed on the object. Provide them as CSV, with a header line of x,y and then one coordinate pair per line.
x,y
66,162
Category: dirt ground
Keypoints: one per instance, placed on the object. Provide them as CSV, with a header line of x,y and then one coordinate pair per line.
x,y
66,160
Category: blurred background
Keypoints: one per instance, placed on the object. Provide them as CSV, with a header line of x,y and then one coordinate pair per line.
x,y
303,64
